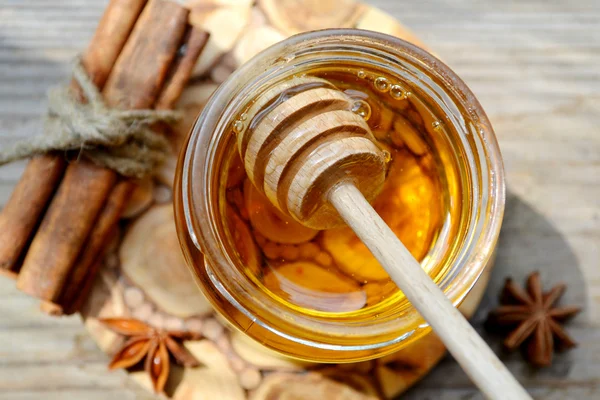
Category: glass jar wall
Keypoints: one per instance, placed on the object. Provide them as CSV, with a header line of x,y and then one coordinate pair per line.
x,y
444,197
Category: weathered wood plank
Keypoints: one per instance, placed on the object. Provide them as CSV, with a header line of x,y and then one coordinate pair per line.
x,y
533,65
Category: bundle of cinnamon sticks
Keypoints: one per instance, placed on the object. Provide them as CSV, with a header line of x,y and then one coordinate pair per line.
x,y
63,211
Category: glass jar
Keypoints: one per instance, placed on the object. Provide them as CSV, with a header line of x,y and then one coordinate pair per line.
x,y
472,170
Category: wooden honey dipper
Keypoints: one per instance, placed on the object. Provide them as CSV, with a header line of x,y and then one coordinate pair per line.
x,y
317,160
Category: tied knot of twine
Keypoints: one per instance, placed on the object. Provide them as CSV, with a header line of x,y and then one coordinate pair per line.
x,y
122,140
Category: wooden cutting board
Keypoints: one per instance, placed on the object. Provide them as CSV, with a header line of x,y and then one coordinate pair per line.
x,y
144,274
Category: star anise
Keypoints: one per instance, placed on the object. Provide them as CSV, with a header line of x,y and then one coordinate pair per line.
x,y
535,319
154,344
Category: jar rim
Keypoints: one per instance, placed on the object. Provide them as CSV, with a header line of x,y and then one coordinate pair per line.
x,y
197,169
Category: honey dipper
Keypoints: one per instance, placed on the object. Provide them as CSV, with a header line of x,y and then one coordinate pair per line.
x,y
317,160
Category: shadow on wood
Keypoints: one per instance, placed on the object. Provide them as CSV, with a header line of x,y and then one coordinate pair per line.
x,y
528,243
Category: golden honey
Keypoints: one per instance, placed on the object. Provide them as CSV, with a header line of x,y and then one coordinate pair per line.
x,y
332,271
321,295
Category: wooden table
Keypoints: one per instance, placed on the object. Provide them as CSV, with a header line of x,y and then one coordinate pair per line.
x,y
534,65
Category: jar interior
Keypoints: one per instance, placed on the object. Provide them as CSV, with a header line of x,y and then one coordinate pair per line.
x,y
330,273
443,194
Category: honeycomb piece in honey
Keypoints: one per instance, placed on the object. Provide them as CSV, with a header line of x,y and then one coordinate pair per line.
x,y
272,223
309,285
405,133
244,243
409,206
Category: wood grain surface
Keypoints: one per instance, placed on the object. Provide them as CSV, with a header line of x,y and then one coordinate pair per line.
x,y
533,65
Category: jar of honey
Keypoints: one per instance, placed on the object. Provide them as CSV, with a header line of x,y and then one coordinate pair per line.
x,y
321,295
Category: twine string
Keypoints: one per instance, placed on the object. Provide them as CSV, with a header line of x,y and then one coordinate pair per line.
x,y
122,140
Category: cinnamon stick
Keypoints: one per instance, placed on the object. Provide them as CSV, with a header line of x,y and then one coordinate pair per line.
x,y
142,67
27,204
21,214
110,37
64,228
194,42
87,266
134,83
81,279
8,273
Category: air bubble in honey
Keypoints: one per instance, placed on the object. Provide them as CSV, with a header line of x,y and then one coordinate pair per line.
x,y
361,74
243,117
387,155
397,92
436,124
238,126
361,108
382,84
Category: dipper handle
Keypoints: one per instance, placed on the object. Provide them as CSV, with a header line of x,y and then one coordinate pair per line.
x,y
463,342
317,160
